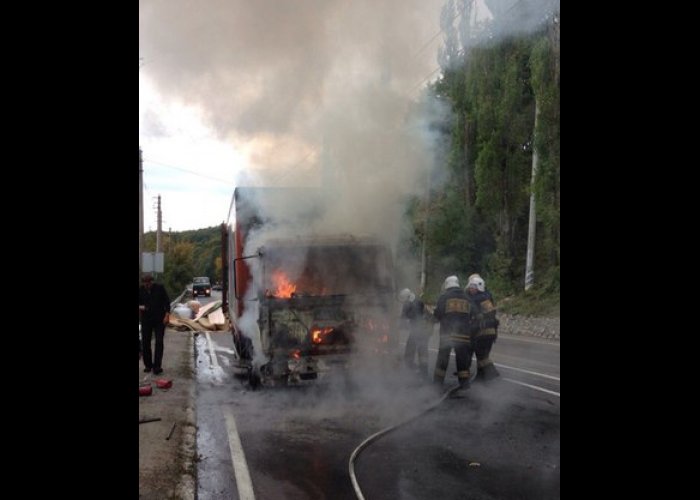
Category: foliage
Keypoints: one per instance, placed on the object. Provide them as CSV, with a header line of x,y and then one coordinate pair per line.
x,y
479,216
178,268
188,254
547,187
538,301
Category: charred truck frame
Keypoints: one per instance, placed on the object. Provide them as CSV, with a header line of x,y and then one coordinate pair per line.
x,y
303,302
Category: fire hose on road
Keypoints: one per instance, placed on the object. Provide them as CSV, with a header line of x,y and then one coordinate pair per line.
x,y
376,435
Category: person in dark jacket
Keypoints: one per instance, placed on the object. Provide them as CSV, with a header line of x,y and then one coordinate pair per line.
x,y
413,313
154,308
454,311
485,327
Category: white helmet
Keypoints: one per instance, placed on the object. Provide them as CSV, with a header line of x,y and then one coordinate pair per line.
x,y
406,295
450,282
476,281
475,275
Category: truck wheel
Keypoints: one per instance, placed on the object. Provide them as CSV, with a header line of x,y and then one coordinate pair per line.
x,y
254,380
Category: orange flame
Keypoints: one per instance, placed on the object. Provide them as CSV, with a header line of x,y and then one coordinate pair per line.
x,y
317,334
285,288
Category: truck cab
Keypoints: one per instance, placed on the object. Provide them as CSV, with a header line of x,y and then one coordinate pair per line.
x,y
304,302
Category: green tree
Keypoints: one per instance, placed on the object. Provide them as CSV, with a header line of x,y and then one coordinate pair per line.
x,y
188,254
479,215
179,267
545,83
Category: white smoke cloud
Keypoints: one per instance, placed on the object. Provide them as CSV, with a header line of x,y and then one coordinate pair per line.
x,y
313,92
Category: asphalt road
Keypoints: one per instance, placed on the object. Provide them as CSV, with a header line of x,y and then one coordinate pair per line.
x,y
495,441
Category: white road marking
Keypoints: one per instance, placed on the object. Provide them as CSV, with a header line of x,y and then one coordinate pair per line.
x,y
552,377
530,340
212,352
544,375
532,387
240,466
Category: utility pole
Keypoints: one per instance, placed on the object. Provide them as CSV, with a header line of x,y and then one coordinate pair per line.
x,y
423,251
530,257
140,213
159,228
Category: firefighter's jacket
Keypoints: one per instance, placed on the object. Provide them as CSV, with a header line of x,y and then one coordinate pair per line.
x,y
485,323
455,312
414,313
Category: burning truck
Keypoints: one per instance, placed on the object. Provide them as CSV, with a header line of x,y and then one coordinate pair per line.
x,y
303,301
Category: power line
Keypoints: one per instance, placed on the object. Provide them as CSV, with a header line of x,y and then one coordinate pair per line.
x,y
189,171
459,13
426,44
434,37
424,79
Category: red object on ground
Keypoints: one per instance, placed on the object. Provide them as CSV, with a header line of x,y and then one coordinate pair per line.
x,y
145,390
164,383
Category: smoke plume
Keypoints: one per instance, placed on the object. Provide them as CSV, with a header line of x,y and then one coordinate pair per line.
x,y
315,92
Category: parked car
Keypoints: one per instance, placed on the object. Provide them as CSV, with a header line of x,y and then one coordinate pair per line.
x,y
201,286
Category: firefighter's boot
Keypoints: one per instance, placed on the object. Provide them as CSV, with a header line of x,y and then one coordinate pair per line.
x,y
487,372
463,379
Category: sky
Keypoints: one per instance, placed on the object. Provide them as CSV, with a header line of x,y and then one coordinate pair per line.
x,y
281,93
192,170
292,93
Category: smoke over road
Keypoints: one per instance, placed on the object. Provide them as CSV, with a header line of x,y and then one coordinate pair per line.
x,y
313,92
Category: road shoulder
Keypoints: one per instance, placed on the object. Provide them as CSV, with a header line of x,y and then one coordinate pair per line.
x,y
167,446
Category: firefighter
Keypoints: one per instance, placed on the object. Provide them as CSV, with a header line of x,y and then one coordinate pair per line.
x,y
485,327
454,312
413,312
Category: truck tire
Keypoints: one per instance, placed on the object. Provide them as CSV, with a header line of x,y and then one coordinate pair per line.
x,y
254,380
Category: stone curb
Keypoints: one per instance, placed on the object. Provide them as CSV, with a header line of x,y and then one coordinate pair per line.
x,y
547,328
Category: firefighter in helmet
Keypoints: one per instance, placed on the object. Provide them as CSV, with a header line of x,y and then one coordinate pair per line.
x,y
484,328
454,312
413,313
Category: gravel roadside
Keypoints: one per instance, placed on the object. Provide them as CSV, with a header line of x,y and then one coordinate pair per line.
x,y
167,446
